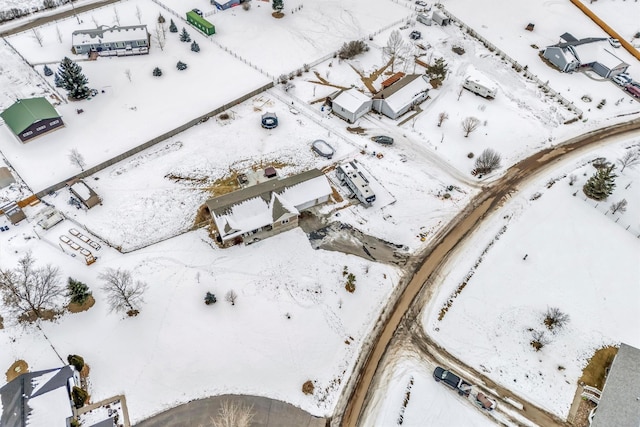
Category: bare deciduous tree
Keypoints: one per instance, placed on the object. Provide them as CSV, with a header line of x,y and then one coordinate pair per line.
x,y
487,161
116,16
442,117
539,339
629,158
29,291
123,294
160,36
395,49
233,414
139,14
469,125
620,206
460,92
231,297
95,21
59,33
554,318
572,179
38,36
76,158
127,73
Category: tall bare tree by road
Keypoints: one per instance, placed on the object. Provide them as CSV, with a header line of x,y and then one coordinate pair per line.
x,y
29,291
77,159
395,49
123,293
629,158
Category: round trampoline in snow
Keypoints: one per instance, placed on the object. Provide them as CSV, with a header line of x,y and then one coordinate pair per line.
x,y
322,148
269,120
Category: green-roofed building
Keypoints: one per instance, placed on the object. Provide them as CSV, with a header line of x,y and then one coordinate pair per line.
x,y
30,118
200,23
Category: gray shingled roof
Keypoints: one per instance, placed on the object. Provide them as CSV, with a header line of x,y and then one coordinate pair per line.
x,y
220,204
620,402
16,394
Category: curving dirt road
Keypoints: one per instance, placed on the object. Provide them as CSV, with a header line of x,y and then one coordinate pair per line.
x,y
416,291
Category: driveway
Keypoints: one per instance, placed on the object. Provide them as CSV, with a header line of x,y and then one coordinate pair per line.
x,y
268,413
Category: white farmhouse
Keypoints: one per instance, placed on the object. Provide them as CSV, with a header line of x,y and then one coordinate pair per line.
x,y
401,96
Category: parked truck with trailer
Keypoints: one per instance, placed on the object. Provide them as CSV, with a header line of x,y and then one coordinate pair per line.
x,y
451,380
349,175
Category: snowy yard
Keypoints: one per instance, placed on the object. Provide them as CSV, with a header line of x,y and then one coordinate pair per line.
x,y
577,259
294,321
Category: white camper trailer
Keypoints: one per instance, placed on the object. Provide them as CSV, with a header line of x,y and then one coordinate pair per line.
x,y
349,175
479,84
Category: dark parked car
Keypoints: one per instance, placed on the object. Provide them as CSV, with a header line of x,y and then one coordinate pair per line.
x,y
269,120
415,35
449,378
198,12
452,380
382,139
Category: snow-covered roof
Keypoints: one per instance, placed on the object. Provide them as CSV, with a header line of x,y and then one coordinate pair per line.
x,y
404,92
351,99
37,399
597,52
81,189
474,75
49,409
104,34
262,204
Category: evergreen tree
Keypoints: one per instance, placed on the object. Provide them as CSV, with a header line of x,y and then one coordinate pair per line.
x,y
73,80
77,291
161,19
601,184
210,298
157,72
76,361
181,66
47,71
172,27
195,47
438,70
277,5
58,81
184,36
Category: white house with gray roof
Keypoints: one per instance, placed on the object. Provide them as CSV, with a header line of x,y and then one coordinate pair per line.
x,y
116,40
592,53
268,208
401,96
619,404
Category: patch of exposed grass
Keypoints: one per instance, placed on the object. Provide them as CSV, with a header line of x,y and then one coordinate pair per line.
x,y
18,367
77,308
594,373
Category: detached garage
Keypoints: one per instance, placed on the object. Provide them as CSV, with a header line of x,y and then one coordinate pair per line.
x,y
350,105
30,118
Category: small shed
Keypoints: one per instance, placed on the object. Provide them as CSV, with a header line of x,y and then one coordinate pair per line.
x,y
13,212
200,23
424,19
440,18
84,193
6,178
351,104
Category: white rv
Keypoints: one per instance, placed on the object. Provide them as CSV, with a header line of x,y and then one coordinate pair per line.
x,y
480,84
349,175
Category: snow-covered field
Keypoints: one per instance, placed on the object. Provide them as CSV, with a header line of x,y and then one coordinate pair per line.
x,y
579,258
178,348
